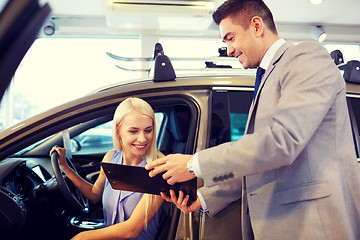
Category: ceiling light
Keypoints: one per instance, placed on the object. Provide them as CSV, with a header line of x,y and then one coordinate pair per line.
x,y
318,34
316,2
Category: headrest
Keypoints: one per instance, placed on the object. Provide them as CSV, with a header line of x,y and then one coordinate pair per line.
x,y
179,122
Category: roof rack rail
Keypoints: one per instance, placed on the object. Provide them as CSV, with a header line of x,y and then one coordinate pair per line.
x,y
163,69
352,71
351,68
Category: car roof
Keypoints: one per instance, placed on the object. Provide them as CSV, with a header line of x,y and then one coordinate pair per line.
x,y
112,94
193,81
353,88
243,80
102,98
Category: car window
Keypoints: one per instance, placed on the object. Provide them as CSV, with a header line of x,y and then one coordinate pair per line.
x,y
229,115
32,146
94,140
354,105
99,139
239,107
237,125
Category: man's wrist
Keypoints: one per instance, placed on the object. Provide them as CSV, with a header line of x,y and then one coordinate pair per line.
x,y
195,165
203,207
190,166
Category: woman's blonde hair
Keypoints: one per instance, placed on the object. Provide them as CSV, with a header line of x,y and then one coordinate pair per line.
x,y
141,106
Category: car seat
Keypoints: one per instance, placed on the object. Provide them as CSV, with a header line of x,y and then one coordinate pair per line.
x,y
179,120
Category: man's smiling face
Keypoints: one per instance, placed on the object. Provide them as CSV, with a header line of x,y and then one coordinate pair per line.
x,y
241,43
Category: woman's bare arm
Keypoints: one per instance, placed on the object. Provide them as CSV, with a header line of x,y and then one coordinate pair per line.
x,y
128,229
93,192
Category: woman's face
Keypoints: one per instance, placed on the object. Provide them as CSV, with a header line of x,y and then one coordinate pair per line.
x,y
136,133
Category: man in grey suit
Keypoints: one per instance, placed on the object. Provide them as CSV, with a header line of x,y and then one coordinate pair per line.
x,y
295,168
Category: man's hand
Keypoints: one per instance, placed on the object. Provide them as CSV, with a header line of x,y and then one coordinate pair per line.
x,y
181,202
175,166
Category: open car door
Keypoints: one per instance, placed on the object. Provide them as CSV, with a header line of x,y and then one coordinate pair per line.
x,y
20,22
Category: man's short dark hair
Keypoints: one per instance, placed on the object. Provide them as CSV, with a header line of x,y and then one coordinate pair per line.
x,y
242,11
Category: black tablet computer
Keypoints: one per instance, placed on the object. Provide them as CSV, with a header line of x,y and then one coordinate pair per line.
x,y
137,179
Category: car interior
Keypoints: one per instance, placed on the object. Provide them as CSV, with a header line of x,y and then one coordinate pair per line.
x,y
28,177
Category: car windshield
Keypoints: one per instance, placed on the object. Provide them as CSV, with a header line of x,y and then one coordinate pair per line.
x,y
32,146
94,140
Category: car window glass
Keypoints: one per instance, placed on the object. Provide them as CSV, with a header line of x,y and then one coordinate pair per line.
x,y
159,118
237,125
32,146
94,140
354,114
229,115
239,107
355,103
99,139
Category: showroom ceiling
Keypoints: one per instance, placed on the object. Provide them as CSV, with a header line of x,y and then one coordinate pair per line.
x,y
294,18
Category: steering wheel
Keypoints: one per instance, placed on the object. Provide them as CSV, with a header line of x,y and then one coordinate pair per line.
x,y
72,196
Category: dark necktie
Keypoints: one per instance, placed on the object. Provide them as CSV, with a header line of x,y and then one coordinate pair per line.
x,y
259,73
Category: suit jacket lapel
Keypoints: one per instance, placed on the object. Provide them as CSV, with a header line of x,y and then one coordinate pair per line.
x,y
249,125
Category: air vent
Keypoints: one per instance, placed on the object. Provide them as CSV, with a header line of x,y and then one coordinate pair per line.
x,y
159,15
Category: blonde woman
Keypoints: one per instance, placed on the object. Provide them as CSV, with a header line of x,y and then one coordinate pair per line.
x,y
127,214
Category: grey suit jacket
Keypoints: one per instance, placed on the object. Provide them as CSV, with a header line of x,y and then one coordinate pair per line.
x,y
296,166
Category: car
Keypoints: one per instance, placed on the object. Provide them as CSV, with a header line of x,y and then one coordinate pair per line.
x,y
192,113
182,109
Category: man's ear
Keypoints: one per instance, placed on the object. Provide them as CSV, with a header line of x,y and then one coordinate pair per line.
x,y
258,25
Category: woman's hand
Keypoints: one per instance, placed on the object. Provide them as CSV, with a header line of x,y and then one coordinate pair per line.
x,y
62,156
181,202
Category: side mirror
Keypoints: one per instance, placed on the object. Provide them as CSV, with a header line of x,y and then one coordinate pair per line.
x,y
75,145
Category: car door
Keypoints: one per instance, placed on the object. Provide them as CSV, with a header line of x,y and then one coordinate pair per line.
x,y
88,125
176,127
353,101
228,113
229,109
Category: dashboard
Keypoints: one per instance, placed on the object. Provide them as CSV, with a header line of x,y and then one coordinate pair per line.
x,y
22,180
19,178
